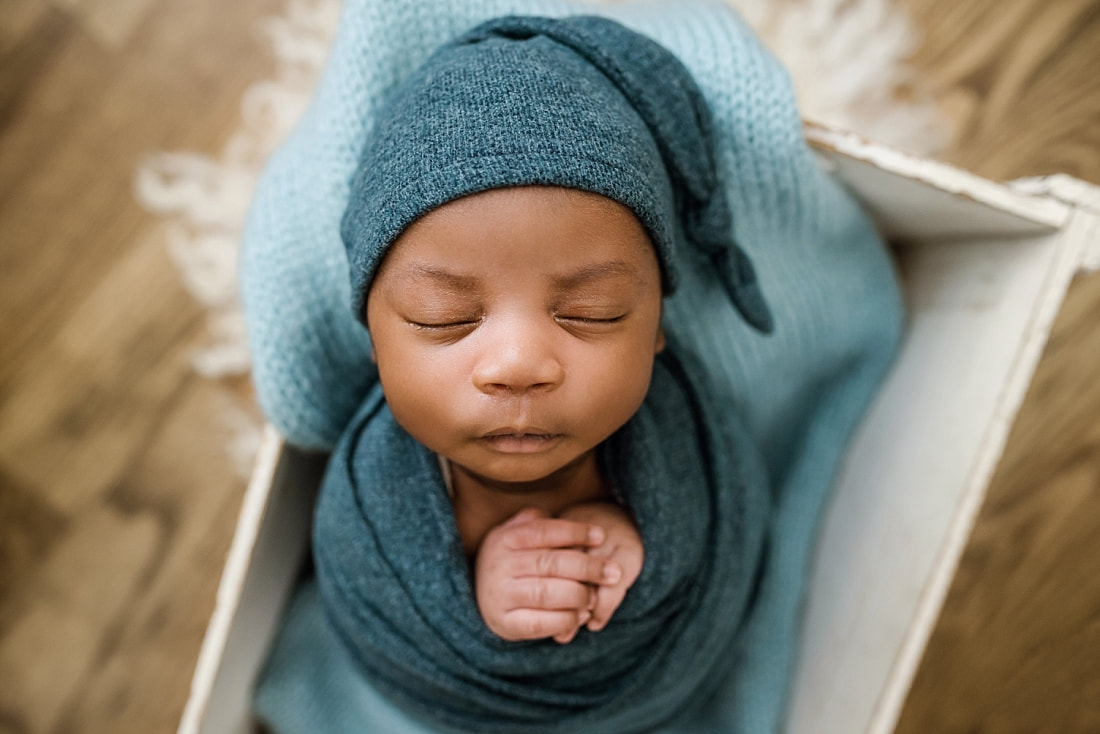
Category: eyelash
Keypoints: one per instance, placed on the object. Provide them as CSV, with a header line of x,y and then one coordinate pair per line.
x,y
473,322
445,326
587,320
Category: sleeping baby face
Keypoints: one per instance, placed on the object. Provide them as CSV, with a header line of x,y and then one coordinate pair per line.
x,y
515,329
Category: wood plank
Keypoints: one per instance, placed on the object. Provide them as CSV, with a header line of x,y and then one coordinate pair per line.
x,y
80,121
109,22
49,653
17,20
113,460
29,527
187,480
120,347
1015,75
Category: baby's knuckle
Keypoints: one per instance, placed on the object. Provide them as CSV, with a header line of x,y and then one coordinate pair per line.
x,y
541,534
515,536
540,594
546,564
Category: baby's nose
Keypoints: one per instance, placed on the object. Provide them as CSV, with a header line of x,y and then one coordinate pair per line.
x,y
517,360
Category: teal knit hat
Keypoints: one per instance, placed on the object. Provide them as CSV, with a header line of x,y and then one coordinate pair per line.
x,y
580,102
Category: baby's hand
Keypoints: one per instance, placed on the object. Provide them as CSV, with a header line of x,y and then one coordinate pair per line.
x,y
534,578
623,546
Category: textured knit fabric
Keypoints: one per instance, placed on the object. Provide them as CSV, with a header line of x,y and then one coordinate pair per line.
x,y
526,100
531,100
800,391
396,584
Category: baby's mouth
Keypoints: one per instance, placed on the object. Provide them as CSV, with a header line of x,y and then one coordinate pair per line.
x,y
521,441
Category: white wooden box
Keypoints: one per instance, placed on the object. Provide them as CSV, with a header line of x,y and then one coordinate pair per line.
x,y
985,268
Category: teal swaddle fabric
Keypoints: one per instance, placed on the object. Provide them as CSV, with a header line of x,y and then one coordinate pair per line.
x,y
396,585
799,392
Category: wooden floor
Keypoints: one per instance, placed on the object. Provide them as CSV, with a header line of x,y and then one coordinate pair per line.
x,y
117,498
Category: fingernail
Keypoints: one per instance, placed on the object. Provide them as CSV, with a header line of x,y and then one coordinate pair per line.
x,y
585,616
595,535
612,573
595,627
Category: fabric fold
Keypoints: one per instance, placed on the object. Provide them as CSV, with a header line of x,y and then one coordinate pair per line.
x,y
396,586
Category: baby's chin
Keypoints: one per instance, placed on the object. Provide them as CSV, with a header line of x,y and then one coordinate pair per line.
x,y
520,474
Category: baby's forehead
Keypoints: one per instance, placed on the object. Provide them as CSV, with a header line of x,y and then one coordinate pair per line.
x,y
566,238
463,276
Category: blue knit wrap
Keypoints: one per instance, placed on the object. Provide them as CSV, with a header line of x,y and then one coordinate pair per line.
x,y
396,585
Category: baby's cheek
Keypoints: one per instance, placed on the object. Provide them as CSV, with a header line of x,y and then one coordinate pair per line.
x,y
415,404
631,383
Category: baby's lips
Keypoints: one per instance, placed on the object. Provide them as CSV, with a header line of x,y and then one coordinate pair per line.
x,y
519,430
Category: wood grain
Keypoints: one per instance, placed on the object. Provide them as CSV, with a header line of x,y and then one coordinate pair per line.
x,y
117,498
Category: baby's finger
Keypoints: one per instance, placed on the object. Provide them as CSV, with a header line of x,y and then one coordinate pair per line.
x,y
549,593
566,638
608,599
535,624
564,563
551,533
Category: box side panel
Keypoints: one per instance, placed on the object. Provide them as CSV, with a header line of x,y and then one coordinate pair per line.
x,y
913,210
920,200
232,580
273,536
1072,245
917,470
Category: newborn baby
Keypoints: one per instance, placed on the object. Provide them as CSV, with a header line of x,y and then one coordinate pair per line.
x,y
514,331
524,202
581,495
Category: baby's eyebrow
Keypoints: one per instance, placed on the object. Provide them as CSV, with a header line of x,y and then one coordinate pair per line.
x,y
596,271
453,281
